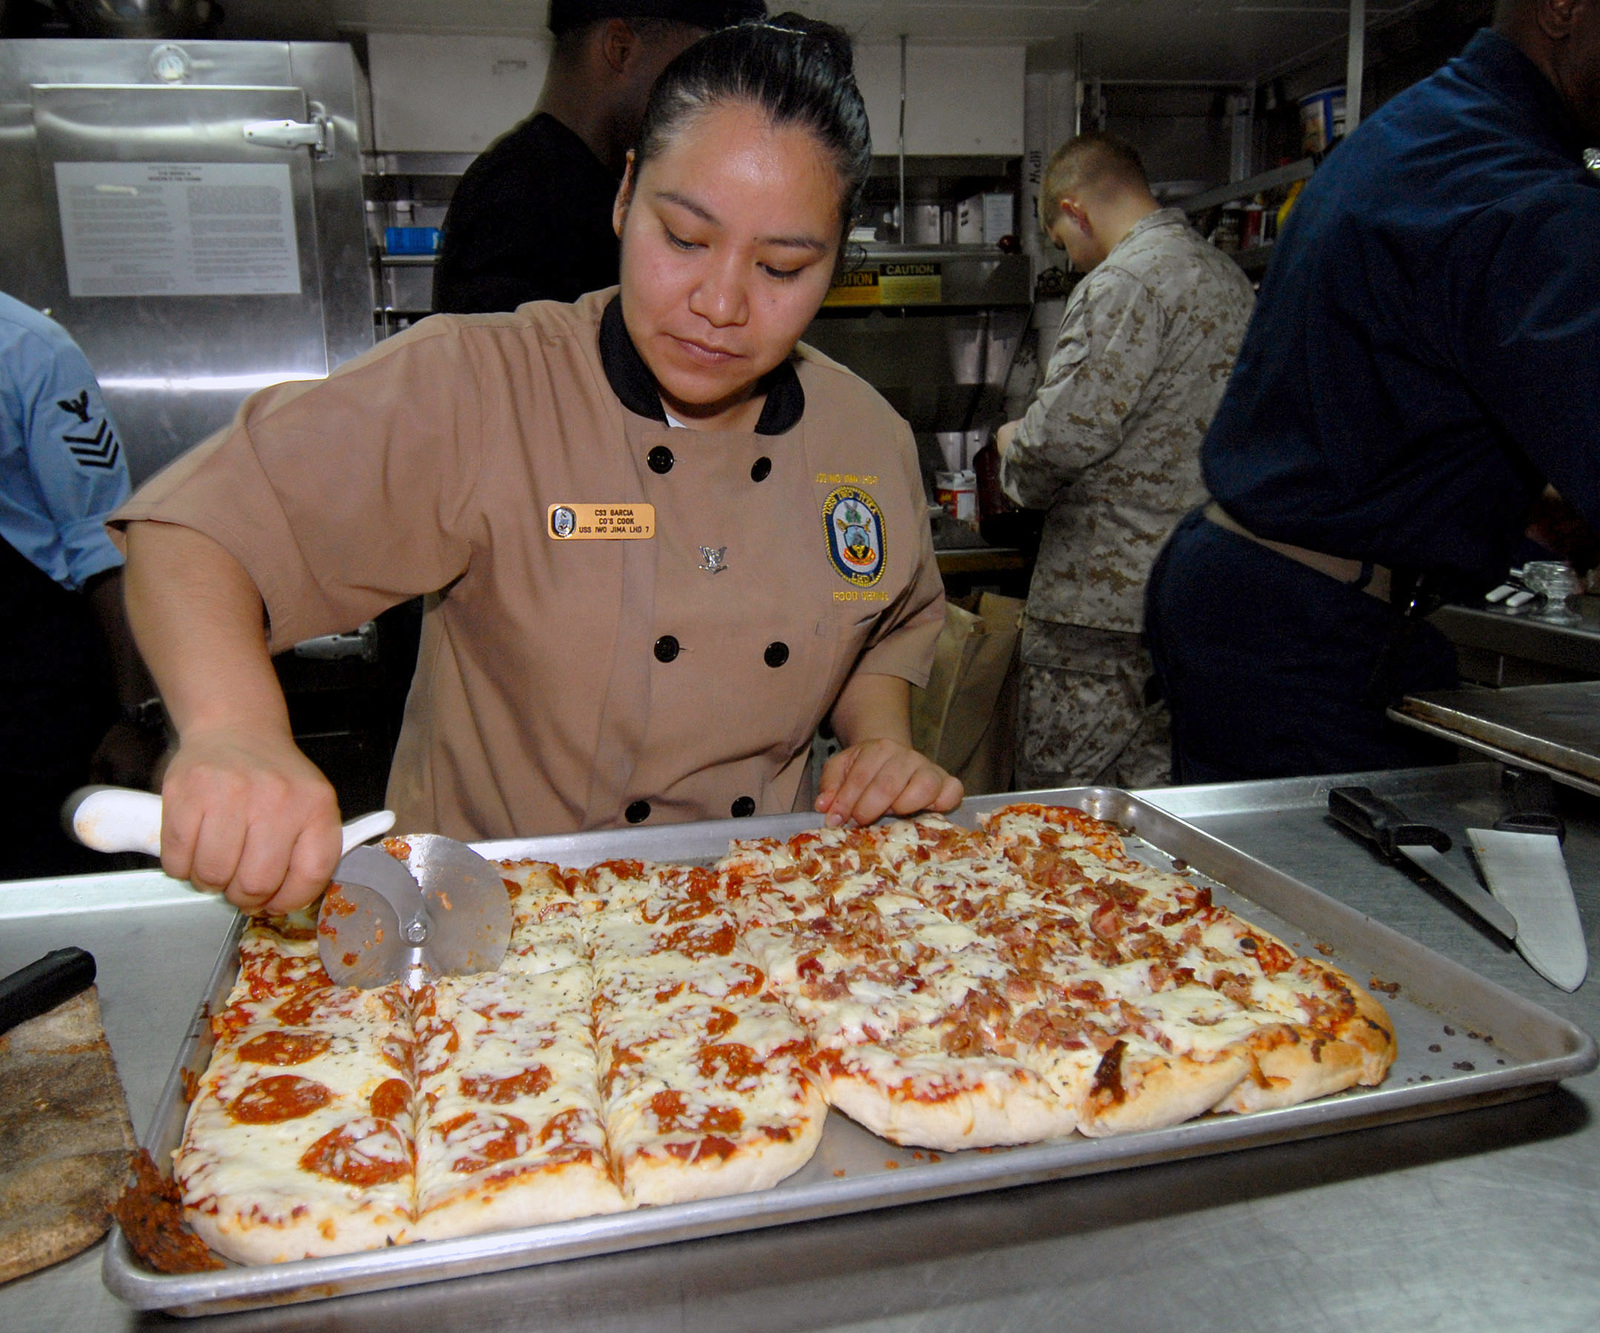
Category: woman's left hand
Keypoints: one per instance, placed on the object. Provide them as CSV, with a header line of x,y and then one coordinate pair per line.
x,y
877,777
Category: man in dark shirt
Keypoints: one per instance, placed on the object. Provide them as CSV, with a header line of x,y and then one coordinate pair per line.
x,y
1423,360
531,219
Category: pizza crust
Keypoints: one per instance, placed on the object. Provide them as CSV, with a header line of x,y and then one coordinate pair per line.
x,y
319,1230
1290,1065
528,1197
993,1103
1155,1092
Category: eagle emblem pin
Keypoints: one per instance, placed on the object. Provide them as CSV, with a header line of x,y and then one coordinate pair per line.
x,y
713,559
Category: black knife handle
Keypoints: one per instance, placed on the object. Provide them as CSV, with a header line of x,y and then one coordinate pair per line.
x,y
1533,804
39,987
1376,820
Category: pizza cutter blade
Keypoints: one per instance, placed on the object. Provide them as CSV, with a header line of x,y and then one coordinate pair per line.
x,y
381,922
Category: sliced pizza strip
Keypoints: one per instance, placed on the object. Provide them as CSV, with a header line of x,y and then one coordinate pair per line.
x,y
299,1142
706,1099
547,907
708,1082
509,1130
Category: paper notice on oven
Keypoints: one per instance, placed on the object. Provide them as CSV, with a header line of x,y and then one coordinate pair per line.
x,y
178,229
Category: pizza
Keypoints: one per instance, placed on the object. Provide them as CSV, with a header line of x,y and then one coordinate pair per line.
x,y
662,1033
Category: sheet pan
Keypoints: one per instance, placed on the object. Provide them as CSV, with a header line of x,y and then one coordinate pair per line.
x,y
1464,1042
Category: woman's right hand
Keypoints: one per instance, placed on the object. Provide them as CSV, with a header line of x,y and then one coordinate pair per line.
x,y
247,815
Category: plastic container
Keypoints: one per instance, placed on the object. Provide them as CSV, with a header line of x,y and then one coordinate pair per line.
x,y
1322,120
411,240
957,492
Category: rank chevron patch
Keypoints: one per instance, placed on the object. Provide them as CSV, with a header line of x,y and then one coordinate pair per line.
x,y
99,450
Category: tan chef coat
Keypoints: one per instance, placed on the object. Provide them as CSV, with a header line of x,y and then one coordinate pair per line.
x,y
566,683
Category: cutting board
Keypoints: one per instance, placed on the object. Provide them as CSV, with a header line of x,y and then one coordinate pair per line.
x,y
65,1136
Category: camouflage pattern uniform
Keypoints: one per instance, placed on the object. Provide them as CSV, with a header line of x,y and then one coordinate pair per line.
x,y
1111,447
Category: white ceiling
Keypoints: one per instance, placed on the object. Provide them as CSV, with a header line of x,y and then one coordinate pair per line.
x,y
1224,40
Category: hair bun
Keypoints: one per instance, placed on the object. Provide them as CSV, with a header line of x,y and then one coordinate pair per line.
x,y
833,39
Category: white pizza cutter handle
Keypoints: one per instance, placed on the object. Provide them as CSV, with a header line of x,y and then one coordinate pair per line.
x,y
119,819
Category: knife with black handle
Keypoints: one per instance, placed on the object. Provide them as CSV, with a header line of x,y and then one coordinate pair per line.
x,y
1388,828
40,986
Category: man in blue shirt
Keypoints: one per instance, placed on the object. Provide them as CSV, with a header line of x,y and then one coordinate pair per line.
x,y
1424,359
65,641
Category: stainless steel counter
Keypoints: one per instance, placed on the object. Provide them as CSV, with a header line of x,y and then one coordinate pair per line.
x,y
1488,1219
1500,647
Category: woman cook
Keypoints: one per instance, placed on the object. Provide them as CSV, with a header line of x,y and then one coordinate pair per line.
x,y
660,541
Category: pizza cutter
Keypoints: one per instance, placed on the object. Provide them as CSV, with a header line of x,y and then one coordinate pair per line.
x,y
120,819
379,922
447,914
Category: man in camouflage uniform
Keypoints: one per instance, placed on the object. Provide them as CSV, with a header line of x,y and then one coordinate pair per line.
x,y
1111,447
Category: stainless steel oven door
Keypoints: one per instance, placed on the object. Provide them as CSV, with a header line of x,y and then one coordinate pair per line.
x,y
189,240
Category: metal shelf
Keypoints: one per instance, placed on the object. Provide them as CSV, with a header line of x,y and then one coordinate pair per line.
x,y
1266,180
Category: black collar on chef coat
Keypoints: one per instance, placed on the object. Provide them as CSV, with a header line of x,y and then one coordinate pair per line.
x,y
632,382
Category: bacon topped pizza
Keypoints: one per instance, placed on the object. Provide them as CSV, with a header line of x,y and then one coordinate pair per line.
x,y
663,1033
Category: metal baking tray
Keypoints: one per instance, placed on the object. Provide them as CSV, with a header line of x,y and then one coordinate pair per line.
x,y
1464,1042
1554,729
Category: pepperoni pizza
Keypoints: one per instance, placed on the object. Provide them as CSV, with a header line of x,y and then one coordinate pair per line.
x,y
663,1033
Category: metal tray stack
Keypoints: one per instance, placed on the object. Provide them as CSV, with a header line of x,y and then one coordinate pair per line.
x,y
1464,1041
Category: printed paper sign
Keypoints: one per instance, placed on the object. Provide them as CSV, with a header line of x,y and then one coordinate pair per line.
x,y
178,229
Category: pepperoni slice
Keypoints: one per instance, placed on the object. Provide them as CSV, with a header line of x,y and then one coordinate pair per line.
x,y
713,1145
737,1059
721,1020
364,1153
398,1053
279,1097
564,1126
391,1099
298,1009
669,1107
755,979
499,1091
696,942
672,1114
285,1048
485,1140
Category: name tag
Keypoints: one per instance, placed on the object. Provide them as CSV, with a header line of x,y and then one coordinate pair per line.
x,y
615,523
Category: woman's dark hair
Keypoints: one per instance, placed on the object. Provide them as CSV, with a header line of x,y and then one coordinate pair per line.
x,y
797,70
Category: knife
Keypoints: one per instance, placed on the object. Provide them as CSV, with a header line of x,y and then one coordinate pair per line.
x,y
1522,863
1386,826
